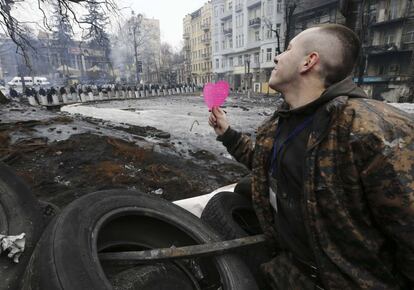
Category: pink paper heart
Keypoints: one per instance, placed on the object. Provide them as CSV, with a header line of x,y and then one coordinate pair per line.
x,y
215,94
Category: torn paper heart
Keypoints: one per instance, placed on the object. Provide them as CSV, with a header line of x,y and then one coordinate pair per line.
x,y
215,94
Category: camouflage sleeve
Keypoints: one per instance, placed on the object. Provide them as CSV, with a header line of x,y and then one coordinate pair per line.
x,y
239,146
385,157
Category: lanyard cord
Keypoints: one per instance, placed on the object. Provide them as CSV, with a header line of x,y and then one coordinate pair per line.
x,y
296,131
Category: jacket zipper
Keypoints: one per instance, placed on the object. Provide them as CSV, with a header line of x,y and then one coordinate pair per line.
x,y
305,207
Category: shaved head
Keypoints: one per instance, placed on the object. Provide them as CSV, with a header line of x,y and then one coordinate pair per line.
x,y
338,49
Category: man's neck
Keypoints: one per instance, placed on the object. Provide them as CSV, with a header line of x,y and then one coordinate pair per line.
x,y
299,96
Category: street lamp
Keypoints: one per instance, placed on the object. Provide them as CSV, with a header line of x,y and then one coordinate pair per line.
x,y
136,24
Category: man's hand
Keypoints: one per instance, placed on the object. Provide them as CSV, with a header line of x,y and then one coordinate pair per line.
x,y
218,121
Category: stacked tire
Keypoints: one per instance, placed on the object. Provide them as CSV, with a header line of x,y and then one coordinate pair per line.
x,y
231,214
67,255
19,213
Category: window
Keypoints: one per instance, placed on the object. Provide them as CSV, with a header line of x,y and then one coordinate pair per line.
x,y
230,62
216,46
279,6
268,54
388,37
393,9
409,35
394,69
247,58
231,42
324,18
268,34
240,60
230,5
278,28
381,69
256,58
257,35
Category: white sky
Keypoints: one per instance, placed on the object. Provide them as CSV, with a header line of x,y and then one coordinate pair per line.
x,y
169,12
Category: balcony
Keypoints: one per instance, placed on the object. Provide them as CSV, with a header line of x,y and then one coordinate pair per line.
x,y
253,3
255,22
205,55
186,35
386,21
187,48
383,49
206,40
228,31
227,14
239,7
205,26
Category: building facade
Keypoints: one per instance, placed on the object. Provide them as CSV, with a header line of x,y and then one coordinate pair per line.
x,y
81,62
197,46
388,50
386,30
247,34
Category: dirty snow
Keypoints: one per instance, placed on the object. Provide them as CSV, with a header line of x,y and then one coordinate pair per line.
x,y
184,117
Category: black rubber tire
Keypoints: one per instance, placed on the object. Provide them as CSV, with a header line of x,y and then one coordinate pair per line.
x,y
232,216
164,276
244,186
19,213
66,256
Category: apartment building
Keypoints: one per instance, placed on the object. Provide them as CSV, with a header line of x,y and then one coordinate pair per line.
x,y
386,30
388,50
197,46
246,35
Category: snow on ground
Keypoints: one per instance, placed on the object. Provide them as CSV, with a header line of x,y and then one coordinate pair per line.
x,y
184,117
408,107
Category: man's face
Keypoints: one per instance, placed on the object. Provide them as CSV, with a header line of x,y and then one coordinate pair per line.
x,y
287,68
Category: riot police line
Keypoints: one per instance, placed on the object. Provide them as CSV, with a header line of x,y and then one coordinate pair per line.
x,y
87,93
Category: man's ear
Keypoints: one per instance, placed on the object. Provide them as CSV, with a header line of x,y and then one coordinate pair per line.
x,y
310,61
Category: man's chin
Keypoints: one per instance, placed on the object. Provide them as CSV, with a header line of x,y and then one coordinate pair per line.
x,y
273,85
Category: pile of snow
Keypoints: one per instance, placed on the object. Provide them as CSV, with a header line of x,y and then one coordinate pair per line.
x,y
408,107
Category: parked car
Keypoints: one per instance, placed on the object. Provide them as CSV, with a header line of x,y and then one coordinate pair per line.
x,y
29,81
41,81
17,81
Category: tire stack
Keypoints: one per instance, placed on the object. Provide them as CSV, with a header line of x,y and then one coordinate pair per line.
x,y
67,254
20,212
231,214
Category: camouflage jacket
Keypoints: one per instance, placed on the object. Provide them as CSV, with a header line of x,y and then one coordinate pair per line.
x,y
358,199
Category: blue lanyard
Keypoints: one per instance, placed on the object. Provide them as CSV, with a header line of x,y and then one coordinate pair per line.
x,y
275,152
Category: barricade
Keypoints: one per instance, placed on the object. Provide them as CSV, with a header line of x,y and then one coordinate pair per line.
x,y
55,99
65,98
32,101
43,100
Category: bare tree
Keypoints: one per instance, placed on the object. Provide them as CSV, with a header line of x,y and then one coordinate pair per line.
x,y
126,54
289,7
62,36
66,8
